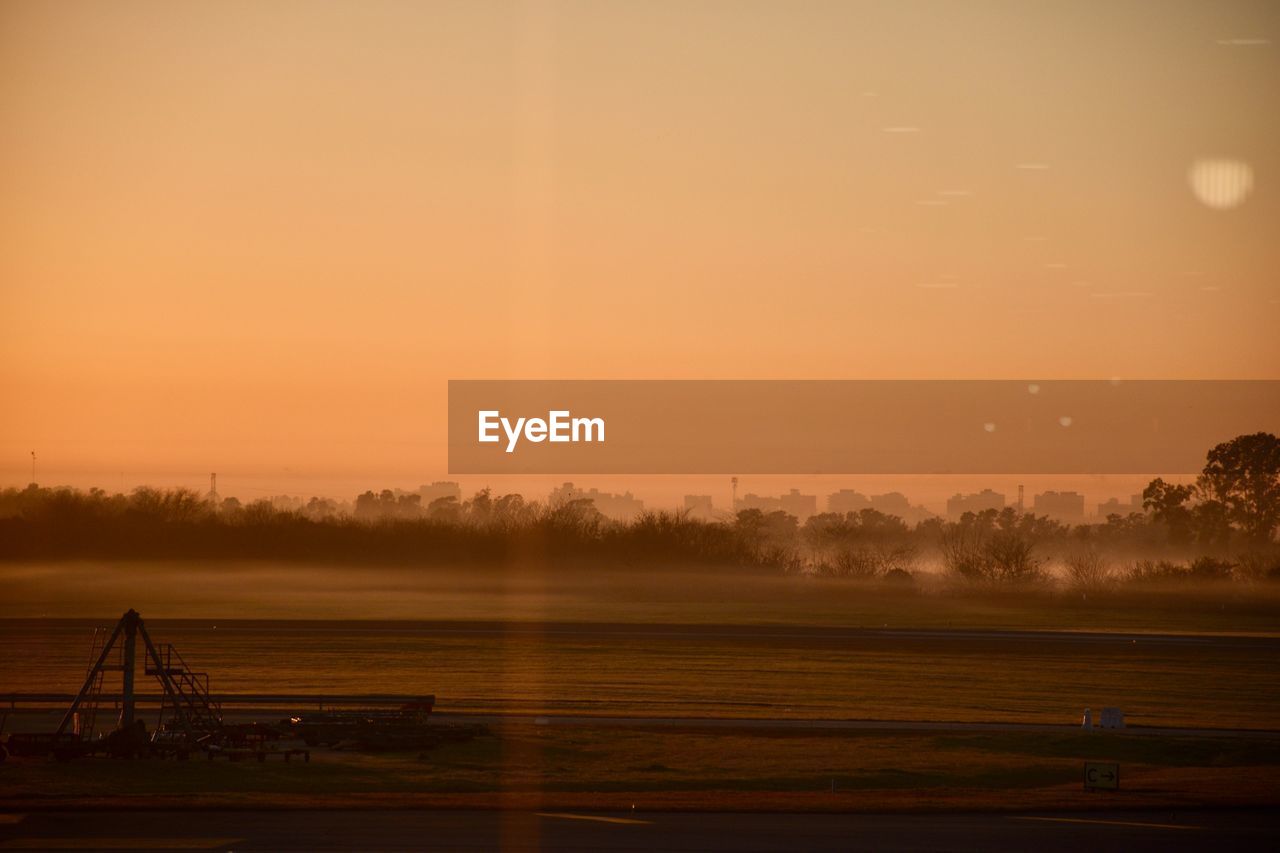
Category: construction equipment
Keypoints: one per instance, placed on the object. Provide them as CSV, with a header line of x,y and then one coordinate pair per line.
x,y
189,718
190,710
186,693
86,718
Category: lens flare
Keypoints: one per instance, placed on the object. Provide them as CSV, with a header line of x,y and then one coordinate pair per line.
x,y
1221,184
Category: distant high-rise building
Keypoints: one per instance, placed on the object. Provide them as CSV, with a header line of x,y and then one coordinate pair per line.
x,y
1115,506
846,501
699,507
897,504
440,489
958,505
792,503
801,506
623,507
1060,506
891,503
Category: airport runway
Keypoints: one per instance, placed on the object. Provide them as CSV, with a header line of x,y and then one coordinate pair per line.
x,y
1044,832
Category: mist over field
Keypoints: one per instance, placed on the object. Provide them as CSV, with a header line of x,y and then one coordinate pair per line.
x,y
1205,550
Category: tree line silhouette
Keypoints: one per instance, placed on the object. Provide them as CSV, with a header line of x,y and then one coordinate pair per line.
x,y
1227,519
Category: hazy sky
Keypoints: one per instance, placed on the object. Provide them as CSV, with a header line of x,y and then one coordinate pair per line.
x,y
258,237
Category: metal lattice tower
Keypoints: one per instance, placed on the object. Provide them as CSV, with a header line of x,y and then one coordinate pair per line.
x,y
187,702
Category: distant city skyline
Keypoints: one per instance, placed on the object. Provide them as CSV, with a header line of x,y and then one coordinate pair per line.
x,y
910,498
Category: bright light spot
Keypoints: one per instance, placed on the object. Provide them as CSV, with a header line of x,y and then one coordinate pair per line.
x,y
989,426
901,128
1065,420
1221,184
1033,388
1032,167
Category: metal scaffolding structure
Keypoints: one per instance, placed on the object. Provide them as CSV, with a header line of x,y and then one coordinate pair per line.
x,y
191,718
187,704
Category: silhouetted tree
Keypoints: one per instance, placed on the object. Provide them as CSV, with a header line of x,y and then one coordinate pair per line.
x,y
445,509
368,506
1243,475
1167,504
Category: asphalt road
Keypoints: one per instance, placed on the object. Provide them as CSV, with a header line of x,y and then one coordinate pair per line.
x,y
773,724
521,831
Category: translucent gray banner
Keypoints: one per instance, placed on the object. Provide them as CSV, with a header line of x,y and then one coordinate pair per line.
x,y
849,426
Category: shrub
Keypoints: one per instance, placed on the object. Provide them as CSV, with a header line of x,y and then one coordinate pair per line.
x,y
1149,571
1087,571
866,562
899,577
1258,565
1210,569
993,557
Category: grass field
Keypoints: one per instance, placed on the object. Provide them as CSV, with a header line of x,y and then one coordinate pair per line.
x,y
757,646
673,644
530,766
222,591
703,670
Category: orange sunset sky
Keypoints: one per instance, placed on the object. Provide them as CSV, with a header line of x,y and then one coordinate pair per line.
x,y
259,237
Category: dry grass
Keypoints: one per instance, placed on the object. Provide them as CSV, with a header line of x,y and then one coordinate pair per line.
x,y
706,671
225,590
1089,572
692,665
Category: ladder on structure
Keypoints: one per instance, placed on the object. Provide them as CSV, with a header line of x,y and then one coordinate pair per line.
x,y
87,716
194,715
186,697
